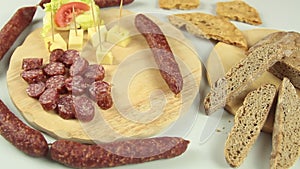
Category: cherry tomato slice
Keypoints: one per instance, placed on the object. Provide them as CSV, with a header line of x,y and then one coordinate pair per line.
x,y
64,14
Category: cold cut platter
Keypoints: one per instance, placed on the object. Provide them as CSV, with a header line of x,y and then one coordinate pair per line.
x,y
144,106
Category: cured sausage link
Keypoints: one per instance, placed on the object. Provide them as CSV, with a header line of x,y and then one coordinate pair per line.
x,y
14,27
100,3
26,139
162,52
79,155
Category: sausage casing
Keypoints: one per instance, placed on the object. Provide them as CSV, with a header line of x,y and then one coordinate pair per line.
x,y
162,52
14,27
26,139
79,155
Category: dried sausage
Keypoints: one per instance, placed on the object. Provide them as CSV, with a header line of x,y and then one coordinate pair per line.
x,y
105,101
79,155
49,99
43,2
65,107
55,68
32,63
108,3
97,88
35,90
56,55
57,82
14,27
69,57
26,139
76,85
84,108
78,66
94,72
162,52
33,76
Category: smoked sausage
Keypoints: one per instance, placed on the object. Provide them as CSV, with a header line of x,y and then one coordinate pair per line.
x,y
26,139
162,52
14,27
77,155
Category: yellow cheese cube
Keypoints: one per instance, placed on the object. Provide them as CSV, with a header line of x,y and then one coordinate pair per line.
x,y
93,35
58,43
76,40
118,35
104,56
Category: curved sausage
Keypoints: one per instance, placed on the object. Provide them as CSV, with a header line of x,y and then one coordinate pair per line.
x,y
14,27
26,139
79,155
162,52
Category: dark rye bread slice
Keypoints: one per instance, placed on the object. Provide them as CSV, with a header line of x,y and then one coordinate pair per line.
x,y
289,66
240,76
286,132
248,122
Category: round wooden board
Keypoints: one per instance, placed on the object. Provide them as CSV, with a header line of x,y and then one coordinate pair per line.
x,y
227,56
138,89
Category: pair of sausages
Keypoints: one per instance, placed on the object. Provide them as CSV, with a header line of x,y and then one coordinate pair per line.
x,y
78,155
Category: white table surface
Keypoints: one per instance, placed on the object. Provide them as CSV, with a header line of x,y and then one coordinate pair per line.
x,y
275,14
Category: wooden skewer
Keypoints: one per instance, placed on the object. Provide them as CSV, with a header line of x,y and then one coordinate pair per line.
x,y
52,25
96,24
120,14
74,19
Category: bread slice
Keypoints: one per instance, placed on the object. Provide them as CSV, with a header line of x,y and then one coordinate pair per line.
x,y
238,10
248,122
290,66
179,4
210,27
241,75
286,132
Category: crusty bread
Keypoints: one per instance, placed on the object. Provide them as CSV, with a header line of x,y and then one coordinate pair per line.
x,y
290,66
286,132
179,4
238,10
210,27
248,122
241,75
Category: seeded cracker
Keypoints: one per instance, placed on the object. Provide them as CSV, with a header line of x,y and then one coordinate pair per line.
x,y
239,11
210,27
179,4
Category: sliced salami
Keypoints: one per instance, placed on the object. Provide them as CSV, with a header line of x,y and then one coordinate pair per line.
x,y
56,55
97,88
76,85
65,107
35,90
49,99
56,82
78,66
84,109
94,72
70,57
55,68
33,76
104,101
32,63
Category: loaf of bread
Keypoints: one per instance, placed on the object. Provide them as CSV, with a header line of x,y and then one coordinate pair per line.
x,y
248,122
241,75
286,132
210,27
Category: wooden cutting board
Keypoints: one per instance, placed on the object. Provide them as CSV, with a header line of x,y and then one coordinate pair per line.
x,y
143,104
227,56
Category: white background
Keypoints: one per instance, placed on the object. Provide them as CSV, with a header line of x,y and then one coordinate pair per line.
x,y
275,14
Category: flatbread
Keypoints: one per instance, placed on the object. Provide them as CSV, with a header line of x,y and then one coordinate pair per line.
x,y
179,4
210,27
239,11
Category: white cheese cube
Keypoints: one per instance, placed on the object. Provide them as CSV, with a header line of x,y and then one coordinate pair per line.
x,y
93,35
58,43
118,35
76,39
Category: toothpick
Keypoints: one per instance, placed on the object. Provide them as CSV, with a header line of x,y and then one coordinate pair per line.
x,y
120,14
96,24
52,26
74,19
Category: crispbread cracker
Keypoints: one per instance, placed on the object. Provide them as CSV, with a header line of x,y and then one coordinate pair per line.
x,y
210,27
238,10
179,4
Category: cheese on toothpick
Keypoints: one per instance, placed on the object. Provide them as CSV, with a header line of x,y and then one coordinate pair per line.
x,y
76,39
94,36
104,56
55,41
119,36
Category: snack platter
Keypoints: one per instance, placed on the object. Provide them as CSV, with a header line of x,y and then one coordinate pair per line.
x,y
200,153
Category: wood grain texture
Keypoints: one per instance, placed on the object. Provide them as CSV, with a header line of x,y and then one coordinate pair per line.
x,y
117,122
226,56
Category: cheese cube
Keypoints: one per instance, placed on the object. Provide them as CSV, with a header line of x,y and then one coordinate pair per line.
x,y
104,56
76,40
58,43
93,35
118,35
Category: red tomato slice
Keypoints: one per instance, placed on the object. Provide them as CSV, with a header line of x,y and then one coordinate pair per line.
x,y
64,14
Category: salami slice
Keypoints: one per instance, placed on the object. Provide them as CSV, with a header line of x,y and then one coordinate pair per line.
x,y
65,107
57,82
69,57
97,88
35,90
55,68
76,85
94,72
105,101
84,108
32,63
33,76
49,99
56,55
78,66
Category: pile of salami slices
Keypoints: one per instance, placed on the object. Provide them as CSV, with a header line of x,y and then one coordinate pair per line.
x,y
68,84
